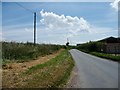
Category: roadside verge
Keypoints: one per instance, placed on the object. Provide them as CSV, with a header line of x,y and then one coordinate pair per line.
x,y
52,74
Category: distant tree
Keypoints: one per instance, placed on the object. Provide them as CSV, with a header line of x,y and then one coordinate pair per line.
x,y
67,44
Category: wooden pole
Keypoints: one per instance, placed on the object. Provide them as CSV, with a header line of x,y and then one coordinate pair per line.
x,y
34,28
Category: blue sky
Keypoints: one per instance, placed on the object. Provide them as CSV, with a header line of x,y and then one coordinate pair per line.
x,y
99,21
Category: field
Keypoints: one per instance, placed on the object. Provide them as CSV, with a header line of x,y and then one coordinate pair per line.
x,y
39,66
20,52
53,73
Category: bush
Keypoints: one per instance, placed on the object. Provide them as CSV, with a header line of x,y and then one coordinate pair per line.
x,y
20,51
91,47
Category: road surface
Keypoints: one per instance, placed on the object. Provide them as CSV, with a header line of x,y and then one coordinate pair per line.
x,y
93,72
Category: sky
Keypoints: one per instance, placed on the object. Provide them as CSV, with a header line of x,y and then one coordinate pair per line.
x,y
80,22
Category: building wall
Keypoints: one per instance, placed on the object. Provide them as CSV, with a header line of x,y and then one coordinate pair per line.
x,y
113,48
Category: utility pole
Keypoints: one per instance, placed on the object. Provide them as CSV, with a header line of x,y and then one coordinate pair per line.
x,y
34,28
67,44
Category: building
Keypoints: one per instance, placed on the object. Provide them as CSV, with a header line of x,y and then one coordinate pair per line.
x,y
111,45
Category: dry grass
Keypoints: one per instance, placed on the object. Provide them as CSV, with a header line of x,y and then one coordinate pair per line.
x,y
53,73
12,71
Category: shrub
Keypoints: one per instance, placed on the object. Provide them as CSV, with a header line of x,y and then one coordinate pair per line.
x,y
19,51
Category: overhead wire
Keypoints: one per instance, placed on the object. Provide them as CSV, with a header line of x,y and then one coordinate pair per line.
x,y
24,7
27,9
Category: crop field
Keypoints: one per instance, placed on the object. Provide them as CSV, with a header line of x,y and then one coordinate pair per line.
x,y
26,51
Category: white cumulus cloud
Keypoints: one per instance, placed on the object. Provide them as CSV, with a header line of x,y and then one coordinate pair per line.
x,y
73,25
115,4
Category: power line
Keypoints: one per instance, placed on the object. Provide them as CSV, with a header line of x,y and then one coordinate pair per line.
x,y
24,7
34,21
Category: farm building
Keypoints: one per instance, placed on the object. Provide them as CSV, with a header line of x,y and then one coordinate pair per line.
x,y
112,45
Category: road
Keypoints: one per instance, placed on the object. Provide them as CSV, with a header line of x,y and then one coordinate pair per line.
x,y
94,72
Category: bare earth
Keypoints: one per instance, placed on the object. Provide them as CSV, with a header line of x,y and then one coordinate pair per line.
x,y
13,71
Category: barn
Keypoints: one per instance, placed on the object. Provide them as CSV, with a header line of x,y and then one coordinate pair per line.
x,y
112,45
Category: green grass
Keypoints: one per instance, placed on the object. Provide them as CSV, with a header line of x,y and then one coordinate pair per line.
x,y
107,56
52,74
21,52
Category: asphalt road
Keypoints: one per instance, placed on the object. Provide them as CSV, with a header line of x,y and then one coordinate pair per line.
x,y
94,72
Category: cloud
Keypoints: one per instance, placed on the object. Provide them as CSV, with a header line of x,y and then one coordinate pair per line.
x,y
73,25
115,4
28,30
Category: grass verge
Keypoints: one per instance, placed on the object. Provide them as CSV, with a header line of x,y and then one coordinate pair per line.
x,y
103,55
107,56
52,74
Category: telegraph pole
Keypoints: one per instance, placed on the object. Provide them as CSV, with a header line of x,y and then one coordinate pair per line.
x,y
67,44
34,28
